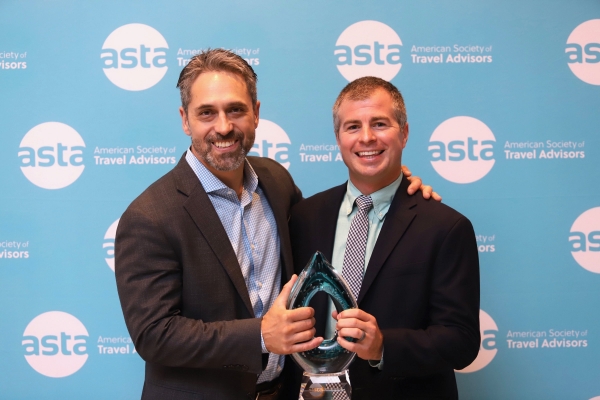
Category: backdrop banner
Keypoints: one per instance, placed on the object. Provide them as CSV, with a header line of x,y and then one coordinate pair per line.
x,y
503,103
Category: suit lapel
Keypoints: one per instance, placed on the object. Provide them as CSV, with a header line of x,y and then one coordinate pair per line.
x,y
202,212
327,214
397,221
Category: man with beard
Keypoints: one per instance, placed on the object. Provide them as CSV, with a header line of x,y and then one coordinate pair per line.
x,y
202,254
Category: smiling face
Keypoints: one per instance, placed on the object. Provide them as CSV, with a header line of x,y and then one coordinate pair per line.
x,y
371,141
221,121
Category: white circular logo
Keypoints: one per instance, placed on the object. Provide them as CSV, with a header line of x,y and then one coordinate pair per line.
x,y
271,141
461,149
51,155
134,57
584,240
109,244
368,48
55,344
583,51
488,347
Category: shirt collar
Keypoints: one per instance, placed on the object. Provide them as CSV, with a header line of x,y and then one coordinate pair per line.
x,y
212,184
382,199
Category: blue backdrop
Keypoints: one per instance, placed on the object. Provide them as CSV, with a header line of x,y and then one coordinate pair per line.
x,y
503,104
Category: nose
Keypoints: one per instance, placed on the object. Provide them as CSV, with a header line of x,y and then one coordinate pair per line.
x,y
223,125
366,135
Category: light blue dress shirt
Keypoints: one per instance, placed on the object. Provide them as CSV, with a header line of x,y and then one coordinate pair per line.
x,y
382,199
252,232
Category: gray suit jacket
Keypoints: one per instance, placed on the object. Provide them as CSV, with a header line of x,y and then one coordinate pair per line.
x,y
183,295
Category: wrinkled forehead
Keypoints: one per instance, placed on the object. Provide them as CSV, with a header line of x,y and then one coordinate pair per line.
x,y
219,85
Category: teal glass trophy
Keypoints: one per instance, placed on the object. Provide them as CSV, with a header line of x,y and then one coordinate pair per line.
x,y
325,367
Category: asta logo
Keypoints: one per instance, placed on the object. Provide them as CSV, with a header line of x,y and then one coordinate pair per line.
x,y
55,344
461,149
109,244
583,51
271,141
134,57
51,155
489,347
584,240
368,48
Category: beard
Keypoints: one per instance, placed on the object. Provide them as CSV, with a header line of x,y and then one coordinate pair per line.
x,y
224,162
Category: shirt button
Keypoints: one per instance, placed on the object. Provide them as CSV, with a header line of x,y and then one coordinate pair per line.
x,y
259,284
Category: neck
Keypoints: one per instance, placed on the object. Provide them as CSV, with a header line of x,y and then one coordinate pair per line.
x,y
368,187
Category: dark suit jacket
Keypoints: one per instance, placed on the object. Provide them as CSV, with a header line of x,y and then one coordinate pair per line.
x,y
183,295
421,284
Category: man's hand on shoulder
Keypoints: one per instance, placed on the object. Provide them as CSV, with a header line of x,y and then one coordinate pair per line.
x,y
363,327
417,184
289,331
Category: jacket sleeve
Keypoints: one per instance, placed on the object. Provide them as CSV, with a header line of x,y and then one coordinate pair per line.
x,y
149,282
451,338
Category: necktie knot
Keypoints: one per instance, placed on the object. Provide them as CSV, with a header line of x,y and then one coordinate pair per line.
x,y
364,203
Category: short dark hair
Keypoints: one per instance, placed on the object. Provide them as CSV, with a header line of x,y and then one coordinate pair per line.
x,y
215,60
361,89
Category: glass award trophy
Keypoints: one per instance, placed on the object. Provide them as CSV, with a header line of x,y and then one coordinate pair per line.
x,y
325,367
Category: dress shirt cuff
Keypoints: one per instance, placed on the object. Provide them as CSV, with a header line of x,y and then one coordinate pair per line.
x,y
262,344
377,363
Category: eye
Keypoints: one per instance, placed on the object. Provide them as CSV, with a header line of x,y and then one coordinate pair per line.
x,y
205,113
237,109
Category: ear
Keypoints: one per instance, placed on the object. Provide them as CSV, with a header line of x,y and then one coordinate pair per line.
x,y
185,125
405,134
256,114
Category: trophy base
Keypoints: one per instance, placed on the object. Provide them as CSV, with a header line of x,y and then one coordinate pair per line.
x,y
335,386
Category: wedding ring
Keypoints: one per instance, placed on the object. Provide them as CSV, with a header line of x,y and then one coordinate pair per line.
x,y
363,336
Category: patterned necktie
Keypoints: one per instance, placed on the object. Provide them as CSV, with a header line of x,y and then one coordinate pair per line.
x,y
356,245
